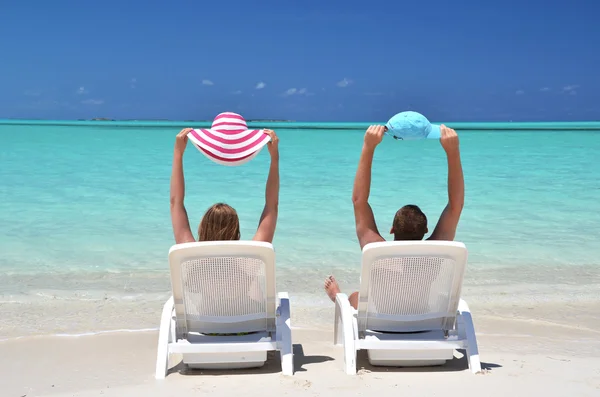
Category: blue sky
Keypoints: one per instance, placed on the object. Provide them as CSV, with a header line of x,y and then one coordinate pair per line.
x,y
301,59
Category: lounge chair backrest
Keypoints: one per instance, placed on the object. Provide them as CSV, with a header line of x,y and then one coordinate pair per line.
x,y
409,286
223,286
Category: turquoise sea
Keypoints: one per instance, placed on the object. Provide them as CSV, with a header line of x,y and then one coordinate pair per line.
x,y
85,227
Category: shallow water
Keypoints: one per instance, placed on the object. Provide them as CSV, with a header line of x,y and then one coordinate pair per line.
x,y
84,216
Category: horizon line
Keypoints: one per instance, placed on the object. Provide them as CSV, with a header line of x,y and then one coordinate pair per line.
x,y
307,125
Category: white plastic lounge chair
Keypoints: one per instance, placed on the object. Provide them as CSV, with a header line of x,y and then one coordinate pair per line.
x,y
409,311
224,287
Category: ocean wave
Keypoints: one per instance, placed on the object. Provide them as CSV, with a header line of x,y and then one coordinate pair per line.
x,y
77,335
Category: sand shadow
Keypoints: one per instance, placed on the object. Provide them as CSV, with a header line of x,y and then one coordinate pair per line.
x,y
272,365
459,363
300,359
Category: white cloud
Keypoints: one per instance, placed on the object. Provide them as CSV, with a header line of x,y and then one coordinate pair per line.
x,y
545,89
344,83
93,102
207,82
373,93
238,92
571,89
297,91
133,82
260,85
520,92
81,90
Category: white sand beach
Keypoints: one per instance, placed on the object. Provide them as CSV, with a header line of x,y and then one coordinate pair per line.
x,y
550,354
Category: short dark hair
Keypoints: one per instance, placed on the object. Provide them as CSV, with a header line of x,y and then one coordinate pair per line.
x,y
410,223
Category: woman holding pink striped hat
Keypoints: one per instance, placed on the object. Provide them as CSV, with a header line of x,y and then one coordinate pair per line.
x,y
228,142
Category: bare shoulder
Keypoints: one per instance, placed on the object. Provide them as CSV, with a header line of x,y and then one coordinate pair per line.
x,y
184,237
368,237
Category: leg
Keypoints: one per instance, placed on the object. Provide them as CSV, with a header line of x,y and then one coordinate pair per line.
x,y
353,298
332,289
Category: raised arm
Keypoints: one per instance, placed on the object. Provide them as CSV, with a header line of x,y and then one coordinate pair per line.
x,y
446,226
268,218
366,228
179,217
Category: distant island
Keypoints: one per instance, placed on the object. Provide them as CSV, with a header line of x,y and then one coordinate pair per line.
x,y
270,121
477,126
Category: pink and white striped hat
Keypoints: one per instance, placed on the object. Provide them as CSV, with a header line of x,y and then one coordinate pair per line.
x,y
229,141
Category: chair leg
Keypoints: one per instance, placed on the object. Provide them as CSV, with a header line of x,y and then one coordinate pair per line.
x,y
468,331
164,338
350,361
284,331
344,332
338,328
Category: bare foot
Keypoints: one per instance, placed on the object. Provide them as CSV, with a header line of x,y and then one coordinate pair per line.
x,y
331,287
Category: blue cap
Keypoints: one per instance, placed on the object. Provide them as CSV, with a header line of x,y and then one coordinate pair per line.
x,y
412,125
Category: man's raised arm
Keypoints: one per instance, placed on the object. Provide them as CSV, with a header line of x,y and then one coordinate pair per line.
x,y
446,226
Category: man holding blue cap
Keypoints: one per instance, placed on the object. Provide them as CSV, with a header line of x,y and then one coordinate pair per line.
x,y
409,223
412,125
